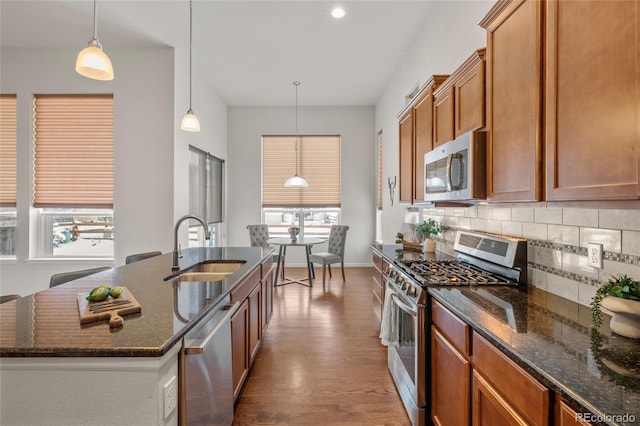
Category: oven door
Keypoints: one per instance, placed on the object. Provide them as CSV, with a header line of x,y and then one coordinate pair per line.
x,y
406,353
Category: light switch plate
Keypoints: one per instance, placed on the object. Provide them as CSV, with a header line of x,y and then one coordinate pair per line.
x,y
594,255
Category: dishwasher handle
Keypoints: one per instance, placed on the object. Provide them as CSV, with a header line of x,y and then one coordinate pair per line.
x,y
200,346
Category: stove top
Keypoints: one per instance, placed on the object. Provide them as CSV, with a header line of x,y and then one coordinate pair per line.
x,y
450,272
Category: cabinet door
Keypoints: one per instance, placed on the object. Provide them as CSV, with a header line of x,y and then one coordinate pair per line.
x,y
450,387
267,299
239,344
255,321
513,101
423,128
567,416
469,100
443,107
592,108
377,286
489,408
406,158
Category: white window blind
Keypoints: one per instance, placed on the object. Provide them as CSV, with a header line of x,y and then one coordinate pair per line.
x,y
73,153
8,151
318,163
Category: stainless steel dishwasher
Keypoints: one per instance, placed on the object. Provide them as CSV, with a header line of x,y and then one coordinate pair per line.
x,y
207,388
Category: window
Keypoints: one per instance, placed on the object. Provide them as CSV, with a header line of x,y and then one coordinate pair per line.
x,y
318,204
379,171
73,174
206,193
8,173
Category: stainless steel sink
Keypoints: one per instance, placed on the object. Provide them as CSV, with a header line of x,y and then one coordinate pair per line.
x,y
214,270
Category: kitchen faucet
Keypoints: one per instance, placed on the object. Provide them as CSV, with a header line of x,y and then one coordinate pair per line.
x,y
207,236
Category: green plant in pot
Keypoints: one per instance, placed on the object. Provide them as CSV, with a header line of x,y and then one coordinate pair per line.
x,y
425,231
621,296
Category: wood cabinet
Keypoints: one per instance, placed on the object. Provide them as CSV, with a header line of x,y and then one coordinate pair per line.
x,y
567,416
380,267
459,103
513,100
450,368
255,321
416,139
239,347
267,292
592,108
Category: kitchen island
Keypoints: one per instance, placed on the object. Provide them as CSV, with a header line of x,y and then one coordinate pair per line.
x,y
54,370
594,374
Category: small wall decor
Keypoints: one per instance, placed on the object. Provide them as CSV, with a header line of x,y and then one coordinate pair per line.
x,y
392,187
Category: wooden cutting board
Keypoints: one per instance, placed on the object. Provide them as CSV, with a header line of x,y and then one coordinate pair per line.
x,y
109,309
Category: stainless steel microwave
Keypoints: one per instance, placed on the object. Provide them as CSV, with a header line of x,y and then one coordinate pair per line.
x,y
456,170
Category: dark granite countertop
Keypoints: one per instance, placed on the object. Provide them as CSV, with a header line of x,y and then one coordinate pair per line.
x,y
550,337
47,324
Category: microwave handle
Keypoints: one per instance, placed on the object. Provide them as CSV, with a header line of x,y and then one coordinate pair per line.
x,y
449,170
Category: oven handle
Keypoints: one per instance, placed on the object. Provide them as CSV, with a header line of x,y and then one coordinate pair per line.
x,y
408,309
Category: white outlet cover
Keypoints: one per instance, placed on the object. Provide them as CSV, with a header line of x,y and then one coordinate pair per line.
x,y
594,255
170,396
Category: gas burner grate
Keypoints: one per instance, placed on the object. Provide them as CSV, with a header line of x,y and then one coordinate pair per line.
x,y
451,272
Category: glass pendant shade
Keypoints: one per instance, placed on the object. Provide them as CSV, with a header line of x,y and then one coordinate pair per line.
x,y
296,182
190,122
92,62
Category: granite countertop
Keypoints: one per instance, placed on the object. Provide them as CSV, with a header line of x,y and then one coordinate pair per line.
x,y
47,323
550,337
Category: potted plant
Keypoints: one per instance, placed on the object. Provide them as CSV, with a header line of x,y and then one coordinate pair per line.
x,y
621,296
425,231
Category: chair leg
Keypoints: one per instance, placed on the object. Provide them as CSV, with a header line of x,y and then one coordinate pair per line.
x,y
343,277
329,266
324,273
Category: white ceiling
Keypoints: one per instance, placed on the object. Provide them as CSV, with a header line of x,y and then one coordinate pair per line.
x,y
250,52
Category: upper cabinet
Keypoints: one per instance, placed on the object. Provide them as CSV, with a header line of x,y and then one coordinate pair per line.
x,y
514,90
416,139
459,103
592,132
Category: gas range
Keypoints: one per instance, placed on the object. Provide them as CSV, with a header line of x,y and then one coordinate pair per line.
x,y
450,272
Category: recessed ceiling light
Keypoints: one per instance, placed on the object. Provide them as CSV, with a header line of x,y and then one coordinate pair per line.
x,y
338,12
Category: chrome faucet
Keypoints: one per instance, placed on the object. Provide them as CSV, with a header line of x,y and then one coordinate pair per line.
x,y
176,254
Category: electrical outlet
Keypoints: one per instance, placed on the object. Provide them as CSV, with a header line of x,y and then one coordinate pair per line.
x,y
170,396
594,255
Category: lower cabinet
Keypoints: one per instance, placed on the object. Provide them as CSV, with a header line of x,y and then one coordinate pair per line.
x,y
239,346
380,266
567,416
255,321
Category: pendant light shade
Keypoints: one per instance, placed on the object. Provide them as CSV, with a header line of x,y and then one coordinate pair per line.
x,y
92,62
190,122
296,181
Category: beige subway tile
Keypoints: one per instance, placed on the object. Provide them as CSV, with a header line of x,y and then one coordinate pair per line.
x,y
564,234
534,231
563,287
537,278
580,217
610,239
502,213
546,256
478,224
459,211
547,215
464,223
585,293
612,269
522,214
620,219
485,212
471,211
493,226
577,264
631,243
513,229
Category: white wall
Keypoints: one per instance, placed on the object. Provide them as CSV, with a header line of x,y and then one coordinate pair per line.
x,y
147,195
449,35
354,124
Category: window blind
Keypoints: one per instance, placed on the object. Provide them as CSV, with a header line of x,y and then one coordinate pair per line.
x,y
73,153
8,150
318,163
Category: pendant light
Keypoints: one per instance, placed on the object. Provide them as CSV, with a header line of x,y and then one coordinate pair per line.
x,y
190,122
92,62
296,181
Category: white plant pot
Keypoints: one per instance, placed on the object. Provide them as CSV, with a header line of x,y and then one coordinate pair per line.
x,y
626,316
429,245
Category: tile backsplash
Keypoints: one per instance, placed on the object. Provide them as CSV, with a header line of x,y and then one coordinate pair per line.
x,y
557,242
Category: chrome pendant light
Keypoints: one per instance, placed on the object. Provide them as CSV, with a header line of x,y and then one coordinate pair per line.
x,y
296,181
190,122
92,62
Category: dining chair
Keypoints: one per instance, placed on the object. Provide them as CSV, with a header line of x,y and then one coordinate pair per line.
x,y
259,237
141,256
63,277
334,253
8,298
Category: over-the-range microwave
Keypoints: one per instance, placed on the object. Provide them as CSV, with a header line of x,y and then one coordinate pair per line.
x,y
456,170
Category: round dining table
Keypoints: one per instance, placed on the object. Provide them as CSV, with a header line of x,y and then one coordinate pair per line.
x,y
307,243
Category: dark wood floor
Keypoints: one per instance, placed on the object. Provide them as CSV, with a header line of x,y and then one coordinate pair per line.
x,y
321,361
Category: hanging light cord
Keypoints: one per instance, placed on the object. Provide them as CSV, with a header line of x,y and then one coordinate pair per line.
x,y
296,83
190,41
95,22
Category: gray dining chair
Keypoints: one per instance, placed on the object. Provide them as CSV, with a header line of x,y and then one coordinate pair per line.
x,y
334,253
63,277
259,237
141,256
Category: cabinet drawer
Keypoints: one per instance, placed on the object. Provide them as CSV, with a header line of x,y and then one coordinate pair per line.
x,y
525,393
377,261
242,290
266,266
457,332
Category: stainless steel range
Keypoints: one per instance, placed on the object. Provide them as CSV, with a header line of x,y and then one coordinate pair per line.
x,y
482,260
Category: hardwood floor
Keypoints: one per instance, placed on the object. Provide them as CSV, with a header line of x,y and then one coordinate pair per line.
x,y
321,362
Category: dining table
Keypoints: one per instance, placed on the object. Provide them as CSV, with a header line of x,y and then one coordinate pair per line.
x,y
283,243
